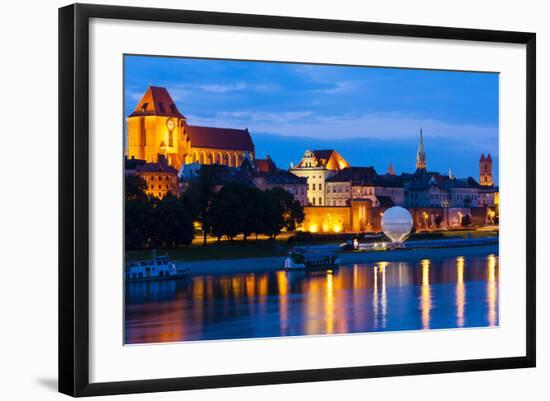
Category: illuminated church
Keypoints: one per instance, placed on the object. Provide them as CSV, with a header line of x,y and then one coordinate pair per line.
x,y
156,127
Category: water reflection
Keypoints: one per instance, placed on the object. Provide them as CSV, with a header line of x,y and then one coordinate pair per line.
x,y
425,294
492,289
383,296
460,291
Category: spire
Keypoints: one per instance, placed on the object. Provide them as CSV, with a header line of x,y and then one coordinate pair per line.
x,y
482,158
390,170
420,153
450,174
489,158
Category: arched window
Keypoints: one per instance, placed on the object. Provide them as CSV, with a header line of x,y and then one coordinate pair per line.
x,y
142,132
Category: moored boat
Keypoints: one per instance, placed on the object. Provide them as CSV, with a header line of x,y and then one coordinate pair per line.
x,y
304,258
157,268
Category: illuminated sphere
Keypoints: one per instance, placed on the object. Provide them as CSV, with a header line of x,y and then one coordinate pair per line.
x,y
397,223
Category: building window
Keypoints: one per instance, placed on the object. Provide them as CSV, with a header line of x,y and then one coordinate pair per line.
x,y
320,201
142,130
314,187
320,187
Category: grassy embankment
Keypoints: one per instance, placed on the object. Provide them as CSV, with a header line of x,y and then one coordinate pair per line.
x,y
263,247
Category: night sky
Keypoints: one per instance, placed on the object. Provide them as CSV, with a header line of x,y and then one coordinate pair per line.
x,y
371,116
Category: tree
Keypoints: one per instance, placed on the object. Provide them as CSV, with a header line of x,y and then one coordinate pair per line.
x,y
283,212
135,187
197,199
466,220
227,211
137,223
438,220
171,225
252,206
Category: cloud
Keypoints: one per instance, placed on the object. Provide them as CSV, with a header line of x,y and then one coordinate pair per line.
x,y
370,125
339,87
220,88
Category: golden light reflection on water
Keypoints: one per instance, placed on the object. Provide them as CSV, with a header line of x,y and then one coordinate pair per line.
x,y
358,298
329,304
460,292
425,294
491,290
282,286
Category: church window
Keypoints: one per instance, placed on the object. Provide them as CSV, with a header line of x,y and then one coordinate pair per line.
x,y
171,138
142,131
144,107
161,106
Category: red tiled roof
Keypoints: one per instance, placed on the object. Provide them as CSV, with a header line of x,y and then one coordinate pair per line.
x,y
265,165
156,102
219,138
329,158
156,168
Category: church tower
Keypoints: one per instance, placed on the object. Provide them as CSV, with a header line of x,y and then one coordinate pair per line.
x,y
486,170
156,127
421,154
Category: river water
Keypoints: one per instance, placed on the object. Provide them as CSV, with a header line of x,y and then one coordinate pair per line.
x,y
448,292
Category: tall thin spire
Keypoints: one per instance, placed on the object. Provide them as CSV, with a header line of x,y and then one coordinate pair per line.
x,y
390,170
420,153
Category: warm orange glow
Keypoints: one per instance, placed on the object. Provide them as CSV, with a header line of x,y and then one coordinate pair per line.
x,y
329,304
282,285
313,228
383,297
425,294
337,228
491,290
460,291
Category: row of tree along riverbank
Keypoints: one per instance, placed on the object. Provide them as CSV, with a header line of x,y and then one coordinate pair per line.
x,y
221,209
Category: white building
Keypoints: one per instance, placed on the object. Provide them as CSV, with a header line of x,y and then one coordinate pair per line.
x,y
317,166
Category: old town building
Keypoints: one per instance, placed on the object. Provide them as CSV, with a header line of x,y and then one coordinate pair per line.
x,y
160,177
316,166
265,175
358,196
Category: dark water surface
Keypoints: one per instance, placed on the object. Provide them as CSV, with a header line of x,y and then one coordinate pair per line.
x,y
385,296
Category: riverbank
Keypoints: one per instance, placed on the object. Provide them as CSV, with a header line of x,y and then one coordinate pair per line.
x,y
267,264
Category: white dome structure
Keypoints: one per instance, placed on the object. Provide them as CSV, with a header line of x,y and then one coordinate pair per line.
x,y
397,223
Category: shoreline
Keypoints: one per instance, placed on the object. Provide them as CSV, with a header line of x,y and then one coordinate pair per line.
x,y
275,263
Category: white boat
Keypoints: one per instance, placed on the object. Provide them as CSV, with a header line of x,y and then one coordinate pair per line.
x,y
158,268
303,258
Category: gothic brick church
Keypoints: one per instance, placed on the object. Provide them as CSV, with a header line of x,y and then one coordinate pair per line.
x,y
157,127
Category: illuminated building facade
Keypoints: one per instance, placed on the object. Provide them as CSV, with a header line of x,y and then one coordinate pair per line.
x,y
160,177
316,166
157,127
265,175
432,198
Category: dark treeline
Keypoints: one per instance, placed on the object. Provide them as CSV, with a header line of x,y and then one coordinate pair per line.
x,y
222,209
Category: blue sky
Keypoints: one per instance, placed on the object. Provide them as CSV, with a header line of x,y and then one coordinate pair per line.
x,y
372,116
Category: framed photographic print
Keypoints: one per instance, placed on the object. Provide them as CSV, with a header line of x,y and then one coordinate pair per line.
x,y
249,199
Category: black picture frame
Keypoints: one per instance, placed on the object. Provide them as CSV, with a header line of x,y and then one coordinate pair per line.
x,y
74,198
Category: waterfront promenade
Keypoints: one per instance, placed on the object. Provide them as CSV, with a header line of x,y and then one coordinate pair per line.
x,y
346,258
